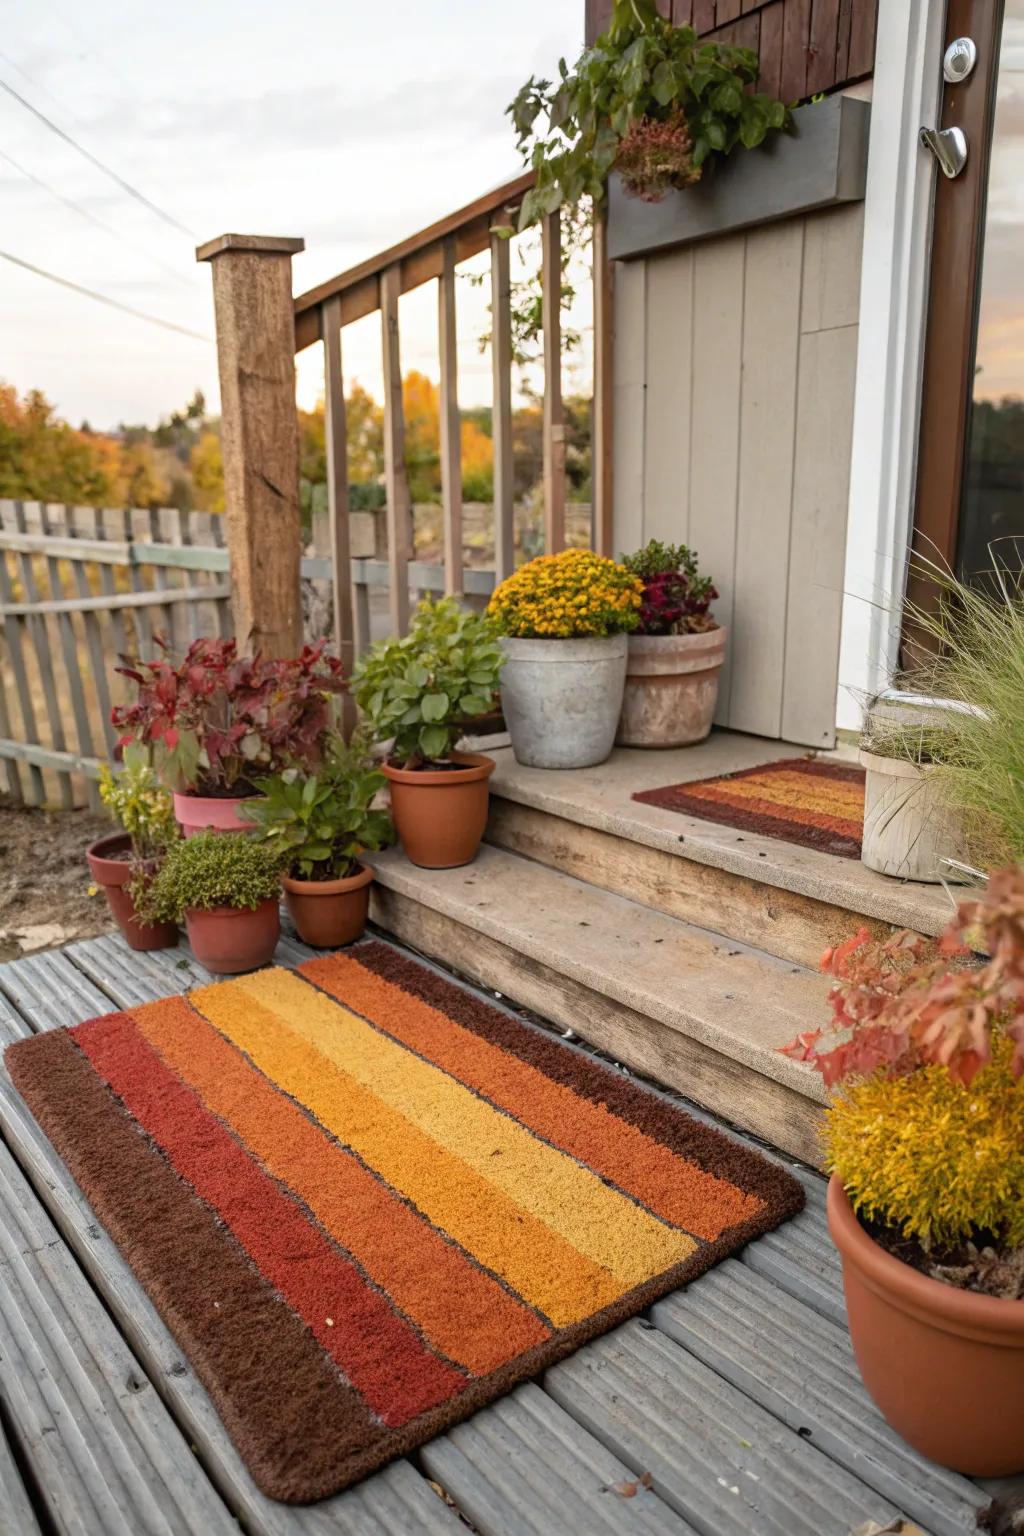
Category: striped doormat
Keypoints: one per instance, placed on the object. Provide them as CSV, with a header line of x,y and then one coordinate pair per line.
x,y
367,1203
801,800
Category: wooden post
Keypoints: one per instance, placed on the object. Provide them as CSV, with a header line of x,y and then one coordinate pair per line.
x,y
554,415
396,481
501,407
450,423
252,296
602,515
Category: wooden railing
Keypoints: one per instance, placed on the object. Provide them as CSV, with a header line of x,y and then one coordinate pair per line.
x,y
376,285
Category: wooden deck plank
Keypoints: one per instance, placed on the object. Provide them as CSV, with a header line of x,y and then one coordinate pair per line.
x,y
103,1450
396,1501
15,1503
800,1259
518,1468
801,1368
716,1457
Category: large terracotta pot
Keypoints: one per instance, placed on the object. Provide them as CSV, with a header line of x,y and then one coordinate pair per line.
x,y
671,689
945,1366
110,867
329,913
561,698
440,814
228,940
210,813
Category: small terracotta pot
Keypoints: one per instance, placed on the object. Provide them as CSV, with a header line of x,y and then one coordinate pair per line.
x,y
228,940
210,813
440,815
110,866
671,689
945,1366
329,913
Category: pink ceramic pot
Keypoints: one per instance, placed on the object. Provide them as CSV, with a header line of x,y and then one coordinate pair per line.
x,y
210,813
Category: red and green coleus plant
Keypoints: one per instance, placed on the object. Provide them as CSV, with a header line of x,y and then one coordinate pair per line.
x,y
676,598
217,721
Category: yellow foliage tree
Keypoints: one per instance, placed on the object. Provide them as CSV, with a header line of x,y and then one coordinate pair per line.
x,y
207,469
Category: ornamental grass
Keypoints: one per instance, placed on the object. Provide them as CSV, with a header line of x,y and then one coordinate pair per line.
x,y
567,596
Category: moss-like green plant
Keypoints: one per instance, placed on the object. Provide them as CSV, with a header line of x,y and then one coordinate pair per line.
x,y
939,1161
212,869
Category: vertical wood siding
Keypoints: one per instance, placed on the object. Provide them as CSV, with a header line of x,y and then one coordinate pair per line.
x,y
805,46
734,372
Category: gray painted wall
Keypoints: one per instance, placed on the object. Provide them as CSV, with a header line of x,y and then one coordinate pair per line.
x,y
734,378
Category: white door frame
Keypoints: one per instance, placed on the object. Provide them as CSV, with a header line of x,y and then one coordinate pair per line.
x,y
906,92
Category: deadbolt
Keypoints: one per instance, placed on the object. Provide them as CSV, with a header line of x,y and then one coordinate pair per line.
x,y
949,146
959,60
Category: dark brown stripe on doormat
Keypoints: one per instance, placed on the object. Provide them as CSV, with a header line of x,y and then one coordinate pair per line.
x,y
289,1411
783,829
668,1123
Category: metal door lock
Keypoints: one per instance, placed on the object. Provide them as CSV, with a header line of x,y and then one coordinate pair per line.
x,y
959,60
949,146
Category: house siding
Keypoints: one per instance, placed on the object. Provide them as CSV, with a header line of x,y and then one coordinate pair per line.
x,y
734,376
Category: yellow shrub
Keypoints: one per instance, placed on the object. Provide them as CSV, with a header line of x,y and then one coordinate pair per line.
x,y
565,595
935,1159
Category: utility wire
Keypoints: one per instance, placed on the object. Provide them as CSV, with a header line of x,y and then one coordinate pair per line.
x,y
102,298
125,186
108,229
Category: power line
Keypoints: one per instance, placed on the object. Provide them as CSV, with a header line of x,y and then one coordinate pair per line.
x,y
125,186
108,229
102,298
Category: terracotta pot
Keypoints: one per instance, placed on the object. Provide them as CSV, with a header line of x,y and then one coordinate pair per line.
x,y
110,867
440,815
671,689
228,940
210,813
329,913
945,1366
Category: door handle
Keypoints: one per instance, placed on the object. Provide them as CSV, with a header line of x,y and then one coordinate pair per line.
x,y
949,146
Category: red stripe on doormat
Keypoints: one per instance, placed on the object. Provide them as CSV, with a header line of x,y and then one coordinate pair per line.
x,y
650,1172
378,1352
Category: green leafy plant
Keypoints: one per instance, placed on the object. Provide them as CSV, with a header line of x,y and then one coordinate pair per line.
x,y
135,797
321,823
641,71
212,869
423,690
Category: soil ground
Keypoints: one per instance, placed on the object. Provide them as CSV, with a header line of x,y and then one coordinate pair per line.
x,y
44,881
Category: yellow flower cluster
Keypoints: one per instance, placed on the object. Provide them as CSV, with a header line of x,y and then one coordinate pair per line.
x,y
574,593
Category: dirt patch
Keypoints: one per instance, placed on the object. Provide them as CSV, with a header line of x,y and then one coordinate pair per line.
x,y
44,880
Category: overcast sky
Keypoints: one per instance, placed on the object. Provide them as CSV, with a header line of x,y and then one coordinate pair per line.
x,y
351,124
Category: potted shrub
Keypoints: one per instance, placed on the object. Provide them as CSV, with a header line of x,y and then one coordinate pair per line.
x,y
227,889
319,825
911,827
652,101
218,721
925,1143
118,863
564,620
419,695
675,653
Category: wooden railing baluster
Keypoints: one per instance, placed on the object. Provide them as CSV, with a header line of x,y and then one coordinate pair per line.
x,y
501,403
72,663
105,522
98,661
554,416
13,634
450,423
36,626
143,627
399,510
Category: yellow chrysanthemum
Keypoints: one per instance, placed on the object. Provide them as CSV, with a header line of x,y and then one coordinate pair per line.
x,y
575,593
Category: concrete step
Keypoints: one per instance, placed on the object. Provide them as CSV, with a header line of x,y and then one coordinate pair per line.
x,y
790,901
690,1008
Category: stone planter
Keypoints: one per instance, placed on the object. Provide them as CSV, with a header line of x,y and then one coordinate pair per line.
x,y
945,1366
908,825
671,689
561,699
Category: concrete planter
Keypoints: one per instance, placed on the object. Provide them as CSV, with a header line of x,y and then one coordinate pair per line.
x,y
671,689
561,699
908,824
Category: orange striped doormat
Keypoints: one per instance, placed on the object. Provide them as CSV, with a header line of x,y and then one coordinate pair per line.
x,y
800,800
367,1203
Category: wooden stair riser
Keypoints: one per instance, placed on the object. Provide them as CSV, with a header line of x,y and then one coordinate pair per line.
x,y
738,1092
780,922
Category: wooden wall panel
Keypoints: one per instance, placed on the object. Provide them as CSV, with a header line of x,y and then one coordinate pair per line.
x,y
667,429
629,364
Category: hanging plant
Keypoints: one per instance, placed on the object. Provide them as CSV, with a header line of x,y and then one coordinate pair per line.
x,y
650,100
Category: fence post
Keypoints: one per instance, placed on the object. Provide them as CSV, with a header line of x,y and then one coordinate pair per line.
x,y
252,296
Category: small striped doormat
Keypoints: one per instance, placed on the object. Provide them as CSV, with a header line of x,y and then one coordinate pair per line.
x,y
799,800
367,1203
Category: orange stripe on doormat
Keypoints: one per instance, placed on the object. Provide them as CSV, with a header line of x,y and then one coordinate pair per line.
x,y
667,1184
462,1311
746,800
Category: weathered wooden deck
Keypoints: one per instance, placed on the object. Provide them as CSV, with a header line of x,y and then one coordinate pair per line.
x,y
738,1396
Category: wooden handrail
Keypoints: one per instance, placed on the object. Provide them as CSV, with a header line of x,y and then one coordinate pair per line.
x,y
421,257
